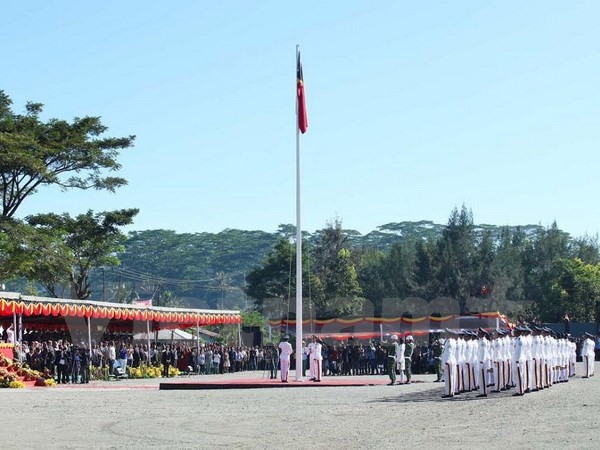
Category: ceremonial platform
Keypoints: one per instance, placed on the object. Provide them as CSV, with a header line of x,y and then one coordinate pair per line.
x,y
266,383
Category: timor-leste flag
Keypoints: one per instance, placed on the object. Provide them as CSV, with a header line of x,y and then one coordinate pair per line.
x,y
301,99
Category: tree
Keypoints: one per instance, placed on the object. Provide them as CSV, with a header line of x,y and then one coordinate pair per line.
x,y
34,153
425,269
541,252
574,288
273,284
399,270
455,257
39,255
93,241
371,279
334,267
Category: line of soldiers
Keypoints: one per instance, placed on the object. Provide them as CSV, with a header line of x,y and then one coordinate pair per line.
x,y
527,359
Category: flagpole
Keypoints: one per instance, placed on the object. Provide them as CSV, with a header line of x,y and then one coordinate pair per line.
x,y
299,371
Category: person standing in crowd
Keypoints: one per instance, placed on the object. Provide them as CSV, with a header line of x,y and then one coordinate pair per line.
x,y
85,366
392,350
123,354
226,362
167,360
437,348
285,352
61,364
112,356
10,334
75,365
409,348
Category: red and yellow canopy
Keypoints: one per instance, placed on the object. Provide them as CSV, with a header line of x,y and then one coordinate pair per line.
x,y
41,307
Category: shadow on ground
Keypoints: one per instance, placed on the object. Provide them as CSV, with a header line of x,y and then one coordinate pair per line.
x,y
435,395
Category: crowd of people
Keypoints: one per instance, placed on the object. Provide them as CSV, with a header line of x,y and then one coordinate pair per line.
x,y
54,354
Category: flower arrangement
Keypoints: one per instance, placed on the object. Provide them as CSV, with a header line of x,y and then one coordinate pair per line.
x,y
4,361
6,378
16,385
150,371
13,371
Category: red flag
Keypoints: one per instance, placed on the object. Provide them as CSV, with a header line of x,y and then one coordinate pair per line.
x,y
301,100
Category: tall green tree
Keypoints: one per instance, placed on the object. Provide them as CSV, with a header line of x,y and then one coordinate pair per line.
x,y
334,266
573,289
425,269
371,278
93,240
36,153
455,257
273,284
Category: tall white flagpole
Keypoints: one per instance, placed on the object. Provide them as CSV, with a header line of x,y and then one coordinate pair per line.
x,y
299,371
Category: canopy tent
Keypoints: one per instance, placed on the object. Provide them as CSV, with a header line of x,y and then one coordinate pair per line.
x,y
27,313
176,335
53,313
377,327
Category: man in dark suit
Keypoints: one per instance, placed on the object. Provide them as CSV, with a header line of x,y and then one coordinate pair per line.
x,y
167,360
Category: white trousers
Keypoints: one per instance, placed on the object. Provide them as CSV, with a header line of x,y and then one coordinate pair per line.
x,y
450,387
285,368
317,368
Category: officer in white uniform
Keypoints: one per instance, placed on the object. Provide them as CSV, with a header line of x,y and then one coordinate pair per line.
x,y
285,351
519,362
317,358
400,362
482,362
449,365
587,355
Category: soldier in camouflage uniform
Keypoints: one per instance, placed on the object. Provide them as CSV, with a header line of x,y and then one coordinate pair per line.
x,y
408,353
392,349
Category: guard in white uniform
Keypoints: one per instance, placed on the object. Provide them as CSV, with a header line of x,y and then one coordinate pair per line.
x,y
519,361
449,365
483,359
400,362
317,358
587,355
285,351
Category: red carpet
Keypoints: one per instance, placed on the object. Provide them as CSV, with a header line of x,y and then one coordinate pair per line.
x,y
258,383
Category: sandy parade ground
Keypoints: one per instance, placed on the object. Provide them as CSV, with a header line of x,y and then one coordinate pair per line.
x,y
135,414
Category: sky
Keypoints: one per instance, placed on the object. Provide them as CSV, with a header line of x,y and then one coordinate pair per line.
x,y
414,108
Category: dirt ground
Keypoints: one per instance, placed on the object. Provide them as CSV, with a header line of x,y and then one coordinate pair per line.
x,y
134,414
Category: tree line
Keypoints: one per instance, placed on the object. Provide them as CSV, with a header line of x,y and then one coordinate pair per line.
x,y
529,271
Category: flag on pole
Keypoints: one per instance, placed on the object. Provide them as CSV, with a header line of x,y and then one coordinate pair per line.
x,y
301,100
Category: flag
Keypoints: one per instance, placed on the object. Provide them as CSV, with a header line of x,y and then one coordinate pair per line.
x,y
301,100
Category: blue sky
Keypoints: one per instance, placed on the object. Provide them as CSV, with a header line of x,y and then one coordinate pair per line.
x,y
413,108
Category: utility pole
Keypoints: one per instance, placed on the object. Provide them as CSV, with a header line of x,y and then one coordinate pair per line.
x,y
103,284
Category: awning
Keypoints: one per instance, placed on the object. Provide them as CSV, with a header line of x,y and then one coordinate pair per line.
x,y
45,311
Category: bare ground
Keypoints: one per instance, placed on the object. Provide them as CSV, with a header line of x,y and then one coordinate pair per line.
x,y
133,414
